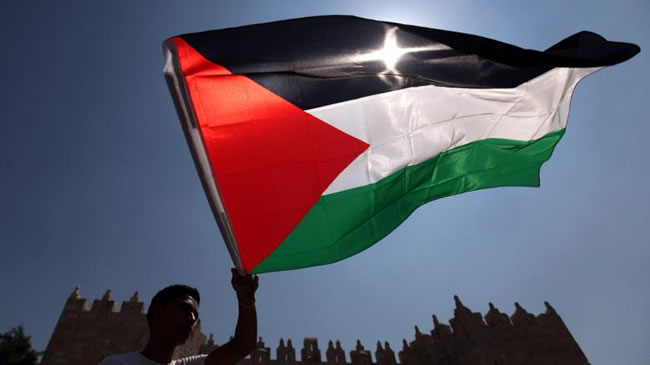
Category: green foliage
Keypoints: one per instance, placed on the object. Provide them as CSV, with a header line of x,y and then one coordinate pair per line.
x,y
16,348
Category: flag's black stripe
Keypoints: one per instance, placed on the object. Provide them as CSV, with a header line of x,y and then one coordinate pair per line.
x,y
314,61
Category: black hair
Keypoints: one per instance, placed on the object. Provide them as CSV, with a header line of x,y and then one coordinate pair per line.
x,y
173,291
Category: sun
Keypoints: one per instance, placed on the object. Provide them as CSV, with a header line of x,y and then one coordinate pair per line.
x,y
391,53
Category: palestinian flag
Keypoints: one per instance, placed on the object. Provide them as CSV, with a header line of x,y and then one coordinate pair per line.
x,y
315,138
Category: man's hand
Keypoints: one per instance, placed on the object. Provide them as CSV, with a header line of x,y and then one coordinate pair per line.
x,y
245,338
245,286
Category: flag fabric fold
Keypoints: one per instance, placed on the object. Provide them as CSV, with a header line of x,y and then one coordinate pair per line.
x,y
315,138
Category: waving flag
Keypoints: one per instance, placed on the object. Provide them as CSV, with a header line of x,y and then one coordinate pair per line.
x,y
314,138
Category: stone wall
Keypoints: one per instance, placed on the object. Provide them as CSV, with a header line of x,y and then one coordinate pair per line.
x,y
519,339
85,334
469,339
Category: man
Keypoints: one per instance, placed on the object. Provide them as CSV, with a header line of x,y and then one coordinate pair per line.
x,y
172,315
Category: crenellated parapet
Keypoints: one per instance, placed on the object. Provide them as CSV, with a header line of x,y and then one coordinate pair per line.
x,y
84,334
76,303
522,338
261,355
286,354
360,356
310,353
467,324
494,318
133,305
385,355
335,355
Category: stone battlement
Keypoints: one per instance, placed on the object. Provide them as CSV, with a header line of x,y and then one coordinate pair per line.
x,y
521,338
84,334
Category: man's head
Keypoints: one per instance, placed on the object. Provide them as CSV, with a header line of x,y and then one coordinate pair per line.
x,y
173,312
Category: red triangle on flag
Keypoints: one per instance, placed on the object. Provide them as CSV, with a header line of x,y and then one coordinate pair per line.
x,y
270,159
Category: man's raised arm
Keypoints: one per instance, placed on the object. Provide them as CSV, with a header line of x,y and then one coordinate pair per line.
x,y
245,338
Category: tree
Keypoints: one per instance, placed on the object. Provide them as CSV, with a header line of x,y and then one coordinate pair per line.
x,y
16,348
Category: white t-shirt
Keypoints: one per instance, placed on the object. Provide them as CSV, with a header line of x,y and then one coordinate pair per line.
x,y
136,358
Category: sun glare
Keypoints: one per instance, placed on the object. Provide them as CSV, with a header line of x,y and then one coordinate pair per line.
x,y
391,53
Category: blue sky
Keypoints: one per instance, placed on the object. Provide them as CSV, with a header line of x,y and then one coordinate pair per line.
x,y
98,189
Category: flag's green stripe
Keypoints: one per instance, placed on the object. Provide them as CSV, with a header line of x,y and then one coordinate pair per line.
x,y
345,223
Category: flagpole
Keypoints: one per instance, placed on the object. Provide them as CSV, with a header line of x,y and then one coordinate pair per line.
x,y
178,90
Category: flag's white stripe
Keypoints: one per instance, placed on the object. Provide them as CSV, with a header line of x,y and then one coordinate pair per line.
x,y
409,126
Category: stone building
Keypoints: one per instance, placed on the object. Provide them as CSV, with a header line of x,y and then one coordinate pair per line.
x,y
85,334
